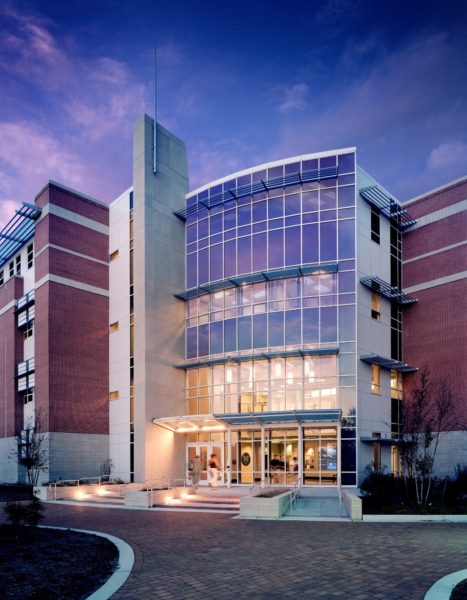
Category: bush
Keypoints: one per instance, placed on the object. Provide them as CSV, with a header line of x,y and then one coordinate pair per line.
x,y
29,514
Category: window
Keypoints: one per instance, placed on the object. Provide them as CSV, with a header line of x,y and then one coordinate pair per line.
x,y
29,331
30,251
375,379
114,255
2,277
375,233
376,452
28,396
375,306
11,268
113,327
114,395
18,265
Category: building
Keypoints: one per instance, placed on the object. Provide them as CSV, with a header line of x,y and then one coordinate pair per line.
x,y
258,317
261,318
435,330
53,327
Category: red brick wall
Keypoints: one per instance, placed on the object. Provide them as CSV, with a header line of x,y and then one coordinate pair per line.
x,y
72,359
73,202
71,324
451,194
11,352
435,329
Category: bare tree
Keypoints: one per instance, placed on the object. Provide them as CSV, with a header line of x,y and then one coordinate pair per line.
x,y
426,414
32,451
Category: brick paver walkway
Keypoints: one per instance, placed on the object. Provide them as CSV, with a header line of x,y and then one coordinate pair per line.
x,y
202,556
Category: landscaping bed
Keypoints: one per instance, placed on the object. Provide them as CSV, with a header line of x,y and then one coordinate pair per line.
x,y
40,563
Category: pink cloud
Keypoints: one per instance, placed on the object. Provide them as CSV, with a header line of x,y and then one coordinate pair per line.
x,y
448,154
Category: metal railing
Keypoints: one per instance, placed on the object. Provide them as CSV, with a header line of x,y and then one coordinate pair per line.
x,y
77,482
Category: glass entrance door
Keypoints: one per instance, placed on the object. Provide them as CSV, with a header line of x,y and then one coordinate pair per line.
x,y
320,456
204,452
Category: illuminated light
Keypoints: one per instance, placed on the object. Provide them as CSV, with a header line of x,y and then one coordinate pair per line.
x,y
169,500
277,369
183,495
101,492
186,429
213,428
229,376
80,495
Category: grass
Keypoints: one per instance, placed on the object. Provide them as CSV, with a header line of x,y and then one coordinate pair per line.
x,y
50,564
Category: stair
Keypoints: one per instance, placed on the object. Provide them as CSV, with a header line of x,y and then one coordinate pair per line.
x,y
207,502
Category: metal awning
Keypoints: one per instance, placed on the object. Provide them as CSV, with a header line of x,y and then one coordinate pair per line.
x,y
190,423
388,363
258,356
382,441
261,276
257,186
294,416
391,209
394,294
18,231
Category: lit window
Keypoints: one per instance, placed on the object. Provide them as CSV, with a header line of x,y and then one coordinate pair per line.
x,y
375,232
114,255
375,379
30,251
11,268
396,385
114,395
113,327
375,306
18,265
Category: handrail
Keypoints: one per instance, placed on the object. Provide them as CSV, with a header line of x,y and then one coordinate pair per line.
x,y
55,484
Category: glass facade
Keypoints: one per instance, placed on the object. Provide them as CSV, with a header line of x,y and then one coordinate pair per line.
x,y
292,223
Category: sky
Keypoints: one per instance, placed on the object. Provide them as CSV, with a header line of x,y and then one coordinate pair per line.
x,y
242,83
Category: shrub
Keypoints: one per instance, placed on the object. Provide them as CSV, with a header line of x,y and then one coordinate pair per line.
x,y
29,514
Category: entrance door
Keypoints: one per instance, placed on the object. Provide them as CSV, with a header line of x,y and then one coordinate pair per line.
x,y
204,452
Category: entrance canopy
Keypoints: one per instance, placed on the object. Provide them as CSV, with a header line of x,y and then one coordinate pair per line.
x,y
218,422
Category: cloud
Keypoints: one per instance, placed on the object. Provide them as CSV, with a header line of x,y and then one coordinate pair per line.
x,y
295,98
448,154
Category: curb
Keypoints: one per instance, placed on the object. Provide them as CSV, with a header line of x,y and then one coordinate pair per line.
x,y
442,589
126,561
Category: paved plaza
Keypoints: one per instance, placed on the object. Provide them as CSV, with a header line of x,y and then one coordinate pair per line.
x,y
187,555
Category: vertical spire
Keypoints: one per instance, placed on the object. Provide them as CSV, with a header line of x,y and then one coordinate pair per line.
x,y
155,109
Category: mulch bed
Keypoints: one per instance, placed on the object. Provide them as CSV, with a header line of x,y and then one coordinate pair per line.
x,y
49,564
460,591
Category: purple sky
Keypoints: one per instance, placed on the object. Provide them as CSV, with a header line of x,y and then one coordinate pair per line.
x,y
241,84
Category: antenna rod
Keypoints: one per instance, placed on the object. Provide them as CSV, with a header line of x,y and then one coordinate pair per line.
x,y
155,110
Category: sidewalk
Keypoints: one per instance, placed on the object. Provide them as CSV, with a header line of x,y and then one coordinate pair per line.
x,y
203,556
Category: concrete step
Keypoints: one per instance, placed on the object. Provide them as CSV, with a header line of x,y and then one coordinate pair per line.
x,y
206,506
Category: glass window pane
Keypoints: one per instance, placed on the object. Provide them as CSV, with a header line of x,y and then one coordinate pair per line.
x,y
292,204
191,270
328,198
230,258
203,228
244,255
230,335
346,163
346,196
328,324
244,215
293,327
192,342
260,260
347,323
276,207
216,338
276,329
203,340
259,211
215,263
203,266
346,239
260,331
328,241
310,243
310,326
276,248
215,224
230,219
310,201
244,333
346,282
292,246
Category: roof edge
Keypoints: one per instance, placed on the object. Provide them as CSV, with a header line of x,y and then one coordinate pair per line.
x,y
66,188
452,183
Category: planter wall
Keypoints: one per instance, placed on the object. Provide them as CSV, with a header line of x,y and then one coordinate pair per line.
x,y
254,507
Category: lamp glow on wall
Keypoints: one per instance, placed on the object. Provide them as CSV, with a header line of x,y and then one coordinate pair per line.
x,y
228,375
